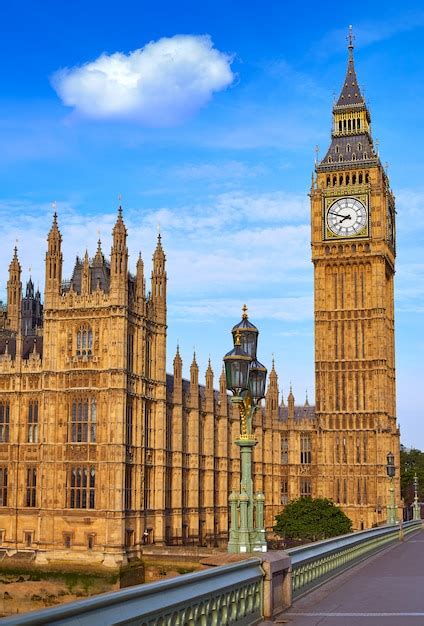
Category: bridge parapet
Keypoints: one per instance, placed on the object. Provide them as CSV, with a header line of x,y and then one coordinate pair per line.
x,y
316,562
241,593
228,594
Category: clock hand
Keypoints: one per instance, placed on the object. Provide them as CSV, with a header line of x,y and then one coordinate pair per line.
x,y
337,214
344,217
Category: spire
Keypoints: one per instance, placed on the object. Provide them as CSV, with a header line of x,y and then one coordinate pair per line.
x,y
306,399
283,404
119,230
350,93
140,284
209,377
194,371
14,263
85,282
273,374
119,259
351,141
29,292
53,262
178,364
98,257
159,255
222,383
290,403
54,235
14,293
158,281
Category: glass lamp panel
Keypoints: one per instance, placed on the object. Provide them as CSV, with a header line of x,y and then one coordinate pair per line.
x,y
390,459
391,471
236,372
257,380
257,384
249,341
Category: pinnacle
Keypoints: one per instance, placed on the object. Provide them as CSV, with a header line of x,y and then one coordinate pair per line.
x,y
177,357
194,362
350,93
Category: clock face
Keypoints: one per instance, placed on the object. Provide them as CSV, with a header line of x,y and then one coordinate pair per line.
x,y
346,217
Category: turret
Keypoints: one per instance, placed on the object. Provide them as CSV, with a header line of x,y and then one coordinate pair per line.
x,y
85,279
53,264
209,388
306,400
194,382
119,260
31,310
209,377
14,293
223,405
140,283
159,282
290,404
178,372
272,395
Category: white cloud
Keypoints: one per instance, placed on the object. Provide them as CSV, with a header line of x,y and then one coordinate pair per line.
x,y
216,171
283,309
371,31
161,84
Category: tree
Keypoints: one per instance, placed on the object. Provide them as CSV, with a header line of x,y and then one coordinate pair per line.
x,y
411,462
311,519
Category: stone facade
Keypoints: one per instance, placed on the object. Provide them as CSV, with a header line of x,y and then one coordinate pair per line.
x,y
102,451
353,251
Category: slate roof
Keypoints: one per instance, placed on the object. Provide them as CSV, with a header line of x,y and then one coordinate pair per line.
x,y
9,340
350,93
361,152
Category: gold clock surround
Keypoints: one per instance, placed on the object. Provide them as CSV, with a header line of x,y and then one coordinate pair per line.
x,y
329,201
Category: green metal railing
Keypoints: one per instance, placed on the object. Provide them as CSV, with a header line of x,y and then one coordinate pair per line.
x,y
316,562
230,594
222,596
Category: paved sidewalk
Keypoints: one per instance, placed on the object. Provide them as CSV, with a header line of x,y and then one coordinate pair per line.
x,y
385,590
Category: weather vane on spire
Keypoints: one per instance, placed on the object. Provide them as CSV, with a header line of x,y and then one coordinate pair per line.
x,y
350,38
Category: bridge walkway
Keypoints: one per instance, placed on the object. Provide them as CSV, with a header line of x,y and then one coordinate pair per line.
x,y
385,590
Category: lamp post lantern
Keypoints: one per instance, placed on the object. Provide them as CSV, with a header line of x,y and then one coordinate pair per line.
x,y
416,509
391,471
246,377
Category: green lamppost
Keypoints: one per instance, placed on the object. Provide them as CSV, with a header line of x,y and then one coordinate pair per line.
x,y
416,509
246,378
391,470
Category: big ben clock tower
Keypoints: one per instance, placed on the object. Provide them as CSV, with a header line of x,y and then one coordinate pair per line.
x,y
353,251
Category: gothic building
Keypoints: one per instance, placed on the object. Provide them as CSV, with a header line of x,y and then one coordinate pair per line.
x,y
102,451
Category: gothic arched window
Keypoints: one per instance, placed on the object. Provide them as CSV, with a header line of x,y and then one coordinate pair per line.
x,y
83,421
84,340
305,448
81,487
4,421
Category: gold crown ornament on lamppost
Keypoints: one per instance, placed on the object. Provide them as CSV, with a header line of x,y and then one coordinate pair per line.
x,y
246,378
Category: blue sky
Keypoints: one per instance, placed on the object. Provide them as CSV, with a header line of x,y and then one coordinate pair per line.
x,y
216,146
